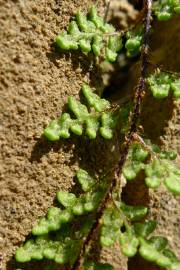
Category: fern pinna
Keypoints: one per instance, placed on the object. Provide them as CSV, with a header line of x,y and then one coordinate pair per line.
x,y
90,33
96,117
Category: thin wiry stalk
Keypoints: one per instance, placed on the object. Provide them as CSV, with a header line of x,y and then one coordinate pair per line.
x,y
140,89
139,93
95,226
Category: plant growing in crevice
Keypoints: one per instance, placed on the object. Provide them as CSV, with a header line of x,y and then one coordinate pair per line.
x,y
65,234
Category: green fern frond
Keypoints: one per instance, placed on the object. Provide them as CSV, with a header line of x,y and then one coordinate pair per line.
x,y
96,117
112,221
59,220
110,226
164,9
44,247
134,42
154,250
135,162
73,206
134,213
91,33
63,246
160,168
161,83
136,238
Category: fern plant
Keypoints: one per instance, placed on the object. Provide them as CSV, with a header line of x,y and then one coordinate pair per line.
x,y
91,34
157,166
67,237
64,234
161,83
71,222
136,237
164,9
98,118
134,41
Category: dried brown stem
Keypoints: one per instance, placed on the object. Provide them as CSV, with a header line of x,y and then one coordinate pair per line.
x,y
139,93
95,226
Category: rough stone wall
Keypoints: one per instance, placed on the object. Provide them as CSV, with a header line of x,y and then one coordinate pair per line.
x,y
35,82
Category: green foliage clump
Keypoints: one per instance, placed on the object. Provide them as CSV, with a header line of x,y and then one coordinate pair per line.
x,y
43,247
160,83
134,213
110,229
133,42
91,33
135,238
72,222
164,9
159,169
72,205
154,248
64,246
112,221
135,161
97,116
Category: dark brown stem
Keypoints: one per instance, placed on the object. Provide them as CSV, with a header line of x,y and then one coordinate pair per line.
x,y
139,93
94,228
140,89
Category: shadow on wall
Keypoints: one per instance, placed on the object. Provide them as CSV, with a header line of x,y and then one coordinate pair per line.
x,y
36,265
81,63
155,116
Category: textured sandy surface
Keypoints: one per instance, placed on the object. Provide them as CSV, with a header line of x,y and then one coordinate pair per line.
x,y
35,82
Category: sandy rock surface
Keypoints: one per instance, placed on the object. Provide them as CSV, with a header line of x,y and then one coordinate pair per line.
x,y
35,82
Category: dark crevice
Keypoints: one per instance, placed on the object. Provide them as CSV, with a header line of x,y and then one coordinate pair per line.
x,y
138,263
137,4
119,76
